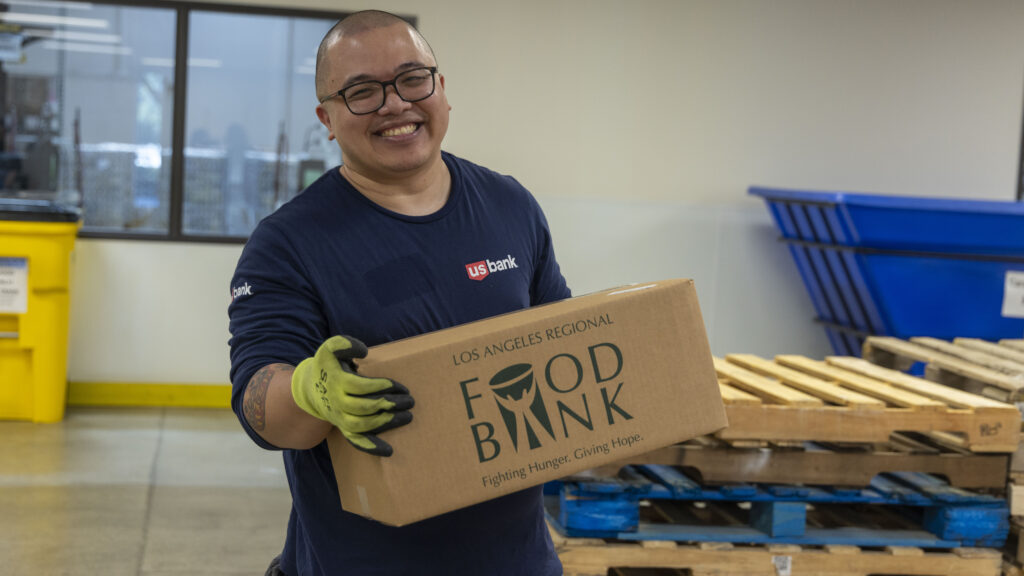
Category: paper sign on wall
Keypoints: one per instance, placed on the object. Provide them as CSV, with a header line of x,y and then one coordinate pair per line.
x,y
1013,295
13,285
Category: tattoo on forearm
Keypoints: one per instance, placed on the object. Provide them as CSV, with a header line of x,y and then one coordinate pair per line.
x,y
254,404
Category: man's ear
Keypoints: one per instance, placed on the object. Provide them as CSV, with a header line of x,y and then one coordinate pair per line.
x,y
441,78
325,119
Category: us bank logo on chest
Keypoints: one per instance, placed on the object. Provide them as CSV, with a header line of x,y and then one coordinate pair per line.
x,y
484,268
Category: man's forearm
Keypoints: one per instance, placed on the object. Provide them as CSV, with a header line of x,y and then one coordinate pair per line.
x,y
270,410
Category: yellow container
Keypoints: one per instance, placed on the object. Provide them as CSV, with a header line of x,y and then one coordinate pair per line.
x,y
34,342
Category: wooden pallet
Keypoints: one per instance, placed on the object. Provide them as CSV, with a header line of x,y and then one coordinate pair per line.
x,y
814,463
992,356
963,363
1008,570
1014,549
1007,352
1015,487
653,502
846,399
595,557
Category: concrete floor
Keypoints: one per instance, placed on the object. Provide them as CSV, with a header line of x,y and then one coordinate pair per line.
x,y
138,492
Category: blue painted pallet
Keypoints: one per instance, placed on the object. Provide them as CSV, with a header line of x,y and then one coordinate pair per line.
x,y
939,515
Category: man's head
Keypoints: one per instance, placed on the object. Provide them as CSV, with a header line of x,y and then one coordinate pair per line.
x,y
400,137
354,24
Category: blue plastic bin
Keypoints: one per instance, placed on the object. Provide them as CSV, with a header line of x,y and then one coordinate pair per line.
x,y
902,266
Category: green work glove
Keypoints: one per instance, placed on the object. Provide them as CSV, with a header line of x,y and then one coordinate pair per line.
x,y
328,387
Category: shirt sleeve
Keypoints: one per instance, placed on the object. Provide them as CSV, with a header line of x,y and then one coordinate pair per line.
x,y
548,283
274,316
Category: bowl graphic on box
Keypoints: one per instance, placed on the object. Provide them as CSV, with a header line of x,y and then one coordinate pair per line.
x,y
521,404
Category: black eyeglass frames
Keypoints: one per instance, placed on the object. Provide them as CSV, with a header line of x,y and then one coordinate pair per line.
x,y
369,96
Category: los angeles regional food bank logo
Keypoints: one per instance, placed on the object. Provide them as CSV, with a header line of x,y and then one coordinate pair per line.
x,y
542,406
521,405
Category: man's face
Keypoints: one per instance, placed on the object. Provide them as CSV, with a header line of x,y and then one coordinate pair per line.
x,y
400,138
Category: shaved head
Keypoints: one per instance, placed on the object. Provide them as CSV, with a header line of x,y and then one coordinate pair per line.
x,y
352,25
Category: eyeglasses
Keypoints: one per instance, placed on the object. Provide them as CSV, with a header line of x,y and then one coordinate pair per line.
x,y
368,97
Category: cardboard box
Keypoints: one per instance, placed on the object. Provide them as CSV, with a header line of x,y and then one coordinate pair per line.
x,y
513,401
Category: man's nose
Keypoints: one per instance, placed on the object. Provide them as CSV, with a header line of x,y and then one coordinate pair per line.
x,y
392,101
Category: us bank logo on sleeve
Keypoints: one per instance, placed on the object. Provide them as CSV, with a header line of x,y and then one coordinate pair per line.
x,y
484,268
239,291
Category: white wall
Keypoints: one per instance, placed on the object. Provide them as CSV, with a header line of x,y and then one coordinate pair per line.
x,y
639,126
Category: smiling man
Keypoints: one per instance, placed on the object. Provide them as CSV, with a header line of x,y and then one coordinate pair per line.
x,y
390,139
395,242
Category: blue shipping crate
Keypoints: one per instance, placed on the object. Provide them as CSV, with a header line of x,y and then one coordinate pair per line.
x,y
904,267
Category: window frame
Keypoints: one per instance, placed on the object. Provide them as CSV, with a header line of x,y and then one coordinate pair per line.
x,y
1020,164
176,198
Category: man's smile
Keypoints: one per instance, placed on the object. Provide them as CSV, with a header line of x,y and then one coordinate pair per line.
x,y
402,130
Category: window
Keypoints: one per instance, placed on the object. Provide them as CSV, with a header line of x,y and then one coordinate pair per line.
x,y
85,119
166,121
251,130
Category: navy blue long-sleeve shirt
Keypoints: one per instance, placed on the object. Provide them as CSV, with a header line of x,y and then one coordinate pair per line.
x,y
332,262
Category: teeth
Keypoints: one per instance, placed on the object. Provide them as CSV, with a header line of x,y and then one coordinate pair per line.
x,y
400,130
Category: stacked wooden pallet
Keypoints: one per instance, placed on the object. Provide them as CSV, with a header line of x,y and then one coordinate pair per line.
x,y
594,557
991,369
994,370
841,422
851,400
1015,494
655,502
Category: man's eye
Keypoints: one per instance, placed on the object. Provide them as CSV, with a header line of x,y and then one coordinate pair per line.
x,y
414,79
359,93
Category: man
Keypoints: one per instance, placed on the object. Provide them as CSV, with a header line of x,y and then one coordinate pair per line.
x,y
377,250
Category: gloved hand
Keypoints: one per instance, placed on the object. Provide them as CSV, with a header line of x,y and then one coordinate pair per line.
x,y
327,386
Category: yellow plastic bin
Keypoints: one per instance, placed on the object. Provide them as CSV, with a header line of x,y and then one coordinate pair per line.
x,y
36,240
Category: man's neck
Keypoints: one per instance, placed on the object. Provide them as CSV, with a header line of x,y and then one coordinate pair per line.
x,y
418,194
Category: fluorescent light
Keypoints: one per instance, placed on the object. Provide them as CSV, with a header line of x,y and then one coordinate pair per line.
x,y
51,4
67,35
24,18
82,47
148,156
160,62
169,62
204,62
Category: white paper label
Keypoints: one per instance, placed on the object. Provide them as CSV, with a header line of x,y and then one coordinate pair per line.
x,y
13,285
783,565
1013,296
